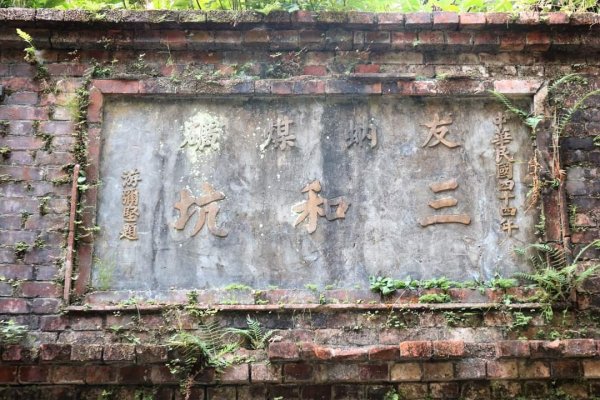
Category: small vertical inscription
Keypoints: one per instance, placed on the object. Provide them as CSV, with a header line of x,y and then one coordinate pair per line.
x,y
504,173
317,206
130,201
207,211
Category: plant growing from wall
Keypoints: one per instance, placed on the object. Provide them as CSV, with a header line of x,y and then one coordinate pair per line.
x,y
11,332
198,351
256,336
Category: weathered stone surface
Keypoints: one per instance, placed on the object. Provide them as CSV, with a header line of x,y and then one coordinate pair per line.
x,y
387,182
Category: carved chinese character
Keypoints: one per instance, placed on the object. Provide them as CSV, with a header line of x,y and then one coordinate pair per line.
x,y
279,135
502,153
506,185
357,136
207,211
130,213
505,197
202,133
499,119
445,202
311,209
438,132
504,170
130,197
507,226
508,211
129,231
131,178
503,137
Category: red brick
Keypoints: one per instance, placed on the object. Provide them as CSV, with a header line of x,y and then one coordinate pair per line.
x,y
384,353
538,41
362,18
256,36
546,349
406,372
12,352
55,352
448,348
8,374
404,40
498,19
516,86
146,354
579,348
263,372
504,369
297,372
67,374
317,70
431,38
591,368
133,374
417,349
86,352
462,39
283,351
418,20
373,372
53,323
390,20
228,37
470,369
160,374
367,68
40,289
351,354
237,373
528,18
33,373
557,18
95,105
308,87
119,352
512,348
116,86
445,20
566,369
471,20
23,112
438,371
533,369
13,306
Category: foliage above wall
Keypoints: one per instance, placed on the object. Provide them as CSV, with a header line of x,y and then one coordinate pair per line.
x,y
266,6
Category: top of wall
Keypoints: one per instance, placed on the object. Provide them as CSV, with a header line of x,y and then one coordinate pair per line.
x,y
158,19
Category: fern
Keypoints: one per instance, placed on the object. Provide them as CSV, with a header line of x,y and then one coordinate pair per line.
x,y
529,119
256,336
566,118
574,77
553,274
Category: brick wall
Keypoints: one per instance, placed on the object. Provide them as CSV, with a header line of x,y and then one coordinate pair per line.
x,y
357,344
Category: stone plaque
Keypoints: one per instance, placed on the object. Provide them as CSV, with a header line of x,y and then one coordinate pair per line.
x,y
290,192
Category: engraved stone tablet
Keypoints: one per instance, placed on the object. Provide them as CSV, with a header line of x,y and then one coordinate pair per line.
x,y
288,192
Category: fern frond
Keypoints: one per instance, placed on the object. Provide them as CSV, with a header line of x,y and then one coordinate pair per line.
x,y
508,104
25,36
573,77
566,118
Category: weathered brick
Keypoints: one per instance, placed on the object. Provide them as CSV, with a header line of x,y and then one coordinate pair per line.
x,y
471,20
33,374
133,374
283,351
13,306
373,372
471,369
445,20
416,349
86,352
40,289
418,20
263,372
579,348
297,372
119,352
503,369
406,372
390,20
566,369
448,348
533,369
55,352
8,374
438,371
